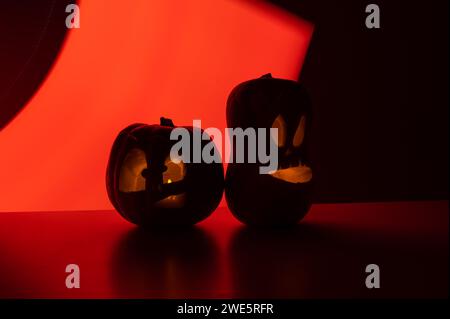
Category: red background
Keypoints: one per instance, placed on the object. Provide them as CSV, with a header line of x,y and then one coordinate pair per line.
x,y
132,63
135,63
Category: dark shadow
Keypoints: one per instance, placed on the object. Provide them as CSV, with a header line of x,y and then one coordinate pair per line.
x,y
368,87
173,263
32,35
328,261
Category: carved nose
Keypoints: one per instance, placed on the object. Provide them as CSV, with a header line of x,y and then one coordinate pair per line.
x,y
288,159
144,173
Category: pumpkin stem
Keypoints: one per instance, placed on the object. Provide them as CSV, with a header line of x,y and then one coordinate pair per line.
x,y
166,122
267,76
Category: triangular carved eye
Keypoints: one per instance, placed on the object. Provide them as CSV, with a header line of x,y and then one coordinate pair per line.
x,y
279,124
175,171
299,133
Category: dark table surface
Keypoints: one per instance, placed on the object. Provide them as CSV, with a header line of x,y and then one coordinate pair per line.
x,y
323,257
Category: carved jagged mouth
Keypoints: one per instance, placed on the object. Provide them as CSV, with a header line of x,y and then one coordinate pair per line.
x,y
172,201
294,174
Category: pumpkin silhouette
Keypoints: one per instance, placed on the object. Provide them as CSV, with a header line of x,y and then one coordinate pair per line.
x,y
148,188
284,195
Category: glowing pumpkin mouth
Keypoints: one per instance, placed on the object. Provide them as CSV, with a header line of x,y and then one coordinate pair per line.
x,y
172,201
295,174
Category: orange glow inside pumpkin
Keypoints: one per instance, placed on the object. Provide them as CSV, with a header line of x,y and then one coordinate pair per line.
x,y
280,125
175,172
299,133
130,178
294,174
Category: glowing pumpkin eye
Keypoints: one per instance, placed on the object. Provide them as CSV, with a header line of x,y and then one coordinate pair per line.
x,y
130,178
280,124
299,133
175,171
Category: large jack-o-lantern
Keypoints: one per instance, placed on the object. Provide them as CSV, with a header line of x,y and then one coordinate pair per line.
x,y
284,195
147,187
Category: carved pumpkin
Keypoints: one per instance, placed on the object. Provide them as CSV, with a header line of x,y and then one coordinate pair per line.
x,y
284,195
147,188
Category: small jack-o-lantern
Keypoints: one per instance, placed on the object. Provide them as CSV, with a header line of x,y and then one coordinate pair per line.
x,y
284,195
148,187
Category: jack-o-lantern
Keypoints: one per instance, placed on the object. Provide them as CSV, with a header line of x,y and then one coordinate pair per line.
x,y
149,187
284,195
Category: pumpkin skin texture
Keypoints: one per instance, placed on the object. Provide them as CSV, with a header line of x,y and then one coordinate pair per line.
x,y
282,197
148,189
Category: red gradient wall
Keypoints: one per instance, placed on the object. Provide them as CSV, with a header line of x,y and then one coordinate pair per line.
x,y
134,62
